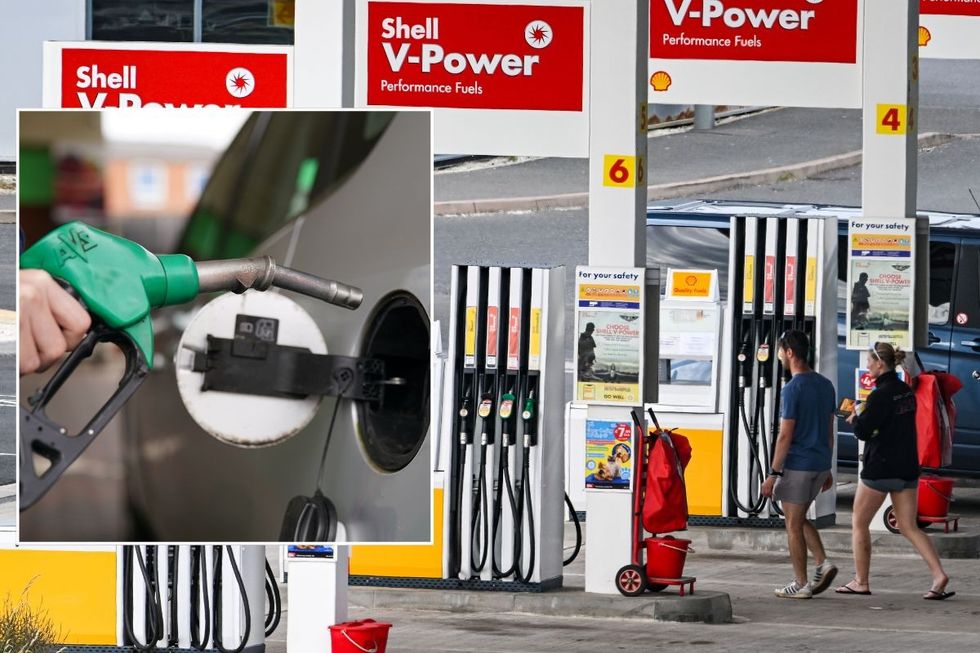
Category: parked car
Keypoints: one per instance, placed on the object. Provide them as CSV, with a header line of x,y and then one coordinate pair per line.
x,y
342,195
695,235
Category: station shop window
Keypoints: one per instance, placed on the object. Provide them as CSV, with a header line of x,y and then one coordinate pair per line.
x,y
703,248
142,20
186,21
244,21
278,166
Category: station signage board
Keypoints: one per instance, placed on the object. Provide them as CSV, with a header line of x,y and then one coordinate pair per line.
x,y
948,29
502,76
881,281
96,75
609,345
748,52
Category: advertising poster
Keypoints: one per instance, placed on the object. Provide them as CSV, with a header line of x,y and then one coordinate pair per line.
x,y
609,341
608,455
864,383
881,282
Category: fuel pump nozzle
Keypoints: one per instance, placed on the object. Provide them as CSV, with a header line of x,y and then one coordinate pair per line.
x,y
528,416
262,273
120,283
764,356
507,420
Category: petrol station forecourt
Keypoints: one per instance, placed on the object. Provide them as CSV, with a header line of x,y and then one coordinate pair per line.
x,y
504,213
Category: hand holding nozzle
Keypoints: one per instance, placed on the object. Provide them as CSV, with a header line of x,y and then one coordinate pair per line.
x,y
262,273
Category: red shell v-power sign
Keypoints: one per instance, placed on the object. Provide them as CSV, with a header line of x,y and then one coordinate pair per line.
x,y
475,56
170,75
811,31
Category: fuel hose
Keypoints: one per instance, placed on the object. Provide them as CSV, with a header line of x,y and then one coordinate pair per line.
x,y
218,600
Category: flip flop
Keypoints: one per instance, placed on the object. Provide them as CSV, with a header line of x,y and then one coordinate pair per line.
x,y
938,595
847,589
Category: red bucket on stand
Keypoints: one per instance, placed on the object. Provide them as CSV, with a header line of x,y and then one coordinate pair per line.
x,y
935,493
666,556
366,636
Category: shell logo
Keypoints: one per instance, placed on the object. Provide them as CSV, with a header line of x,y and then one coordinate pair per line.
x,y
691,280
660,80
240,82
924,36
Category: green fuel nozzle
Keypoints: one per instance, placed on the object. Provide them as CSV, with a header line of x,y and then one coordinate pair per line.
x,y
120,283
528,415
506,412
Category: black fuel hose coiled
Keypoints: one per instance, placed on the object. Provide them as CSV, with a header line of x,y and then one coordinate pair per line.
x,y
503,473
217,600
154,625
173,637
526,508
756,506
480,518
578,532
274,598
199,588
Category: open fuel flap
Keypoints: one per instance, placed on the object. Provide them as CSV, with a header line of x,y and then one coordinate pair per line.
x,y
393,428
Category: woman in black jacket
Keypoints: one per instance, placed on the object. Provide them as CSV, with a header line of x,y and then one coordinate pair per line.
x,y
891,467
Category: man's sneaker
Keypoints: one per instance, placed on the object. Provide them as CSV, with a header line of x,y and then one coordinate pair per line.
x,y
795,591
823,577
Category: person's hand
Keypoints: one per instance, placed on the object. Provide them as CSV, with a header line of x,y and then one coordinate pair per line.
x,y
768,486
51,321
850,418
829,483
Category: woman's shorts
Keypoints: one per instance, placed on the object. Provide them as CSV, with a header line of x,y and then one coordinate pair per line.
x,y
890,484
800,487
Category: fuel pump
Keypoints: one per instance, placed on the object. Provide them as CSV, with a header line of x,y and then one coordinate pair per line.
x,y
467,297
206,598
515,515
120,282
767,257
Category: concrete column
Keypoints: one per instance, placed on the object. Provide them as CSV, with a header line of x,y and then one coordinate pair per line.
x,y
617,225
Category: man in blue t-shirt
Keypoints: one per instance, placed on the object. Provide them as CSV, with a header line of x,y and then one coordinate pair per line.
x,y
802,461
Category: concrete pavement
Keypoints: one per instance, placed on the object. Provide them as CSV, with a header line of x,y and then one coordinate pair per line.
x,y
894,618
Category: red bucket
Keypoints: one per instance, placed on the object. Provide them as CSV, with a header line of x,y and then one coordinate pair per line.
x,y
666,556
935,493
367,636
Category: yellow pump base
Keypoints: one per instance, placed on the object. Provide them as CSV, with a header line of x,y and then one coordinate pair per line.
x,y
77,590
408,561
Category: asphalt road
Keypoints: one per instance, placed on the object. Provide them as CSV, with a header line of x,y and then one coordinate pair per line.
x,y
949,101
8,255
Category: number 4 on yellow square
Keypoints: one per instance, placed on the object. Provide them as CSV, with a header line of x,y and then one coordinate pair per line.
x,y
891,119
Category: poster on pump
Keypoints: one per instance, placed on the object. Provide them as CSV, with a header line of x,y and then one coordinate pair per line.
x,y
880,282
609,341
97,75
948,29
502,76
754,52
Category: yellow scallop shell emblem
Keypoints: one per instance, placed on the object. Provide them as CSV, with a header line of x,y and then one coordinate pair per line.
x,y
660,80
924,36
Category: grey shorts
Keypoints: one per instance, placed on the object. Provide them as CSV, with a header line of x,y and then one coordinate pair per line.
x,y
890,484
799,487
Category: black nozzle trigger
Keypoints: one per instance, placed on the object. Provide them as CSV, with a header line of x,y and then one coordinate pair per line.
x,y
41,435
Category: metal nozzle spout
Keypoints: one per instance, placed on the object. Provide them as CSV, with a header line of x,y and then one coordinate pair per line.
x,y
262,273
